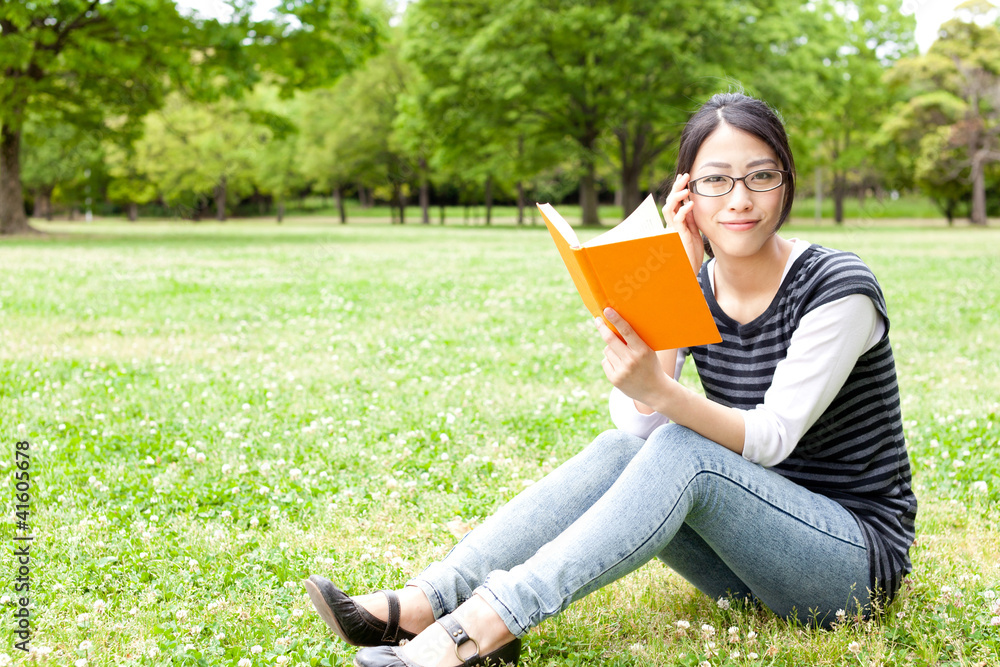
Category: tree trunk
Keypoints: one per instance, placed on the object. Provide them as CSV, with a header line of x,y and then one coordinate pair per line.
x,y
588,193
220,200
363,199
489,199
631,198
978,216
43,203
520,203
399,200
133,211
281,210
13,219
819,193
441,213
631,172
425,194
839,192
338,197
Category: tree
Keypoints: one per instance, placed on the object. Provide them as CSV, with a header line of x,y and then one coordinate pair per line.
x,y
626,70
59,154
955,100
102,65
842,98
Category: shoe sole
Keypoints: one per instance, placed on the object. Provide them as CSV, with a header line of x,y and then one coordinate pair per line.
x,y
319,602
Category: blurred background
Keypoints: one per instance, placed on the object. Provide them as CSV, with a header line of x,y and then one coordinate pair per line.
x,y
471,110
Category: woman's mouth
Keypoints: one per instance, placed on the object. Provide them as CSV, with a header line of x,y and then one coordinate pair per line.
x,y
739,225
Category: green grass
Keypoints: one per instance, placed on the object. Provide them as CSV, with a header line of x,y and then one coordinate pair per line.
x,y
217,411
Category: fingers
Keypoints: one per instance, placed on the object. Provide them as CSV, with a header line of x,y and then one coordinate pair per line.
x,y
677,201
625,329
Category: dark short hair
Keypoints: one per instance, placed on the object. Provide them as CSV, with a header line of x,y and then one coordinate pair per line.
x,y
746,114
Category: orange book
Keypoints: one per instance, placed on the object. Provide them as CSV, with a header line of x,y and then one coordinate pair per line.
x,y
640,269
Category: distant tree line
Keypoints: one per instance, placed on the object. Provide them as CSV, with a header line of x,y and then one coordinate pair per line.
x,y
478,102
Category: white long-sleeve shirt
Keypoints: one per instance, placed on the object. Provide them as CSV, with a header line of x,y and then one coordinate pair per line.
x,y
822,352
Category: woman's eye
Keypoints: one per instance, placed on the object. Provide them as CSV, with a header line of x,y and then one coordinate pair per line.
x,y
765,176
709,180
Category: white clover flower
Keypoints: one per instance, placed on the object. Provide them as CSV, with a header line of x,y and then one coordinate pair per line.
x,y
995,621
82,662
722,603
180,614
282,660
199,457
153,652
682,625
192,563
191,451
4,660
294,473
5,600
253,522
256,649
86,645
854,648
707,630
225,514
980,486
83,618
751,636
244,662
841,615
297,613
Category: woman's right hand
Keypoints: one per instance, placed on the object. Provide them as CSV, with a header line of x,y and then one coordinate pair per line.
x,y
677,212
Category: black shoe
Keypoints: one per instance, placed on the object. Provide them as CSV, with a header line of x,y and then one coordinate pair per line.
x,y
352,622
387,656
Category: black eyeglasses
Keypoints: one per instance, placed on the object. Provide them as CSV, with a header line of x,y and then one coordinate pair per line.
x,y
717,185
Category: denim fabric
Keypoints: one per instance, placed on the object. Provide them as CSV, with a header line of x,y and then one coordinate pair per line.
x,y
730,527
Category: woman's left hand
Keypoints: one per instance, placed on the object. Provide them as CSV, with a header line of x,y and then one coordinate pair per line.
x,y
631,365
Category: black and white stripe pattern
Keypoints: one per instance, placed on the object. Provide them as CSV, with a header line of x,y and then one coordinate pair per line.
x,y
854,453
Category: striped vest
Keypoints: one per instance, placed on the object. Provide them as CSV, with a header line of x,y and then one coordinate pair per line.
x,y
854,453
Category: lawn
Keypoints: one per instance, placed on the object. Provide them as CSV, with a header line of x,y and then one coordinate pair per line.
x,y
215,411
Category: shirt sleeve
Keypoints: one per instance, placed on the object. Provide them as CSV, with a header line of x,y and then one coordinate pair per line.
x,y
821,355
627,418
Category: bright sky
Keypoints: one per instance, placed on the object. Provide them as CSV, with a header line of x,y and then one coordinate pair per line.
x,y
930,13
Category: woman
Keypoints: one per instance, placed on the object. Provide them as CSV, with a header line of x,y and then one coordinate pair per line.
x,y
788,484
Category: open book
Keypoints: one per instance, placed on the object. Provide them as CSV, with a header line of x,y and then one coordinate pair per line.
x,y
640,269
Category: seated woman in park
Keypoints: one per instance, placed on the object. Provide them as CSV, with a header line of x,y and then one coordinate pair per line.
x,y
787,485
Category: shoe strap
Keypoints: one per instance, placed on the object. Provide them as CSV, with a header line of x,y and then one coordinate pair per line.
x,y
460,636
392,623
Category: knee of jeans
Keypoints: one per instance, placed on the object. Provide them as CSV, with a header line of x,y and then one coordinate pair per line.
x,y
616,444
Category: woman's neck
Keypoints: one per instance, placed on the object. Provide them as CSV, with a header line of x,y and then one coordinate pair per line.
x,y
745,286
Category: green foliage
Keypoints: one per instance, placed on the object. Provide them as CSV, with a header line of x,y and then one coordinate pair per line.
x,y
949,127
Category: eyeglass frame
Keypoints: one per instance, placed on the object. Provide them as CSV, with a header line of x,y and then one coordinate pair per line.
x,y
692,184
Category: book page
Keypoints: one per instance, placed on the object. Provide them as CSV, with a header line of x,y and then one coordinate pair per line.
x,y
644,221
560,224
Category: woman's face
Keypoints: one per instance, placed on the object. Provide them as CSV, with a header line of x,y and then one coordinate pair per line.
x,y
742,222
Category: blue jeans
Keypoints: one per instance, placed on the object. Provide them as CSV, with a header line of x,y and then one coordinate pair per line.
x,y
728,526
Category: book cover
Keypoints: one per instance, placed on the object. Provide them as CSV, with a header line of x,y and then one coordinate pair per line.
x,y
640,269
